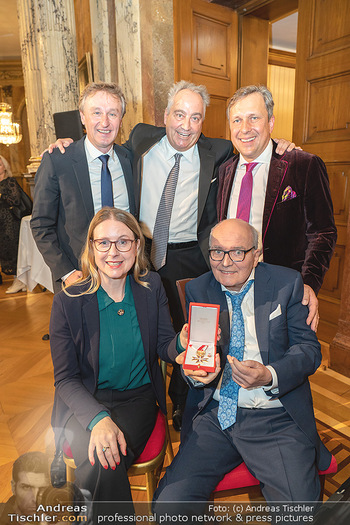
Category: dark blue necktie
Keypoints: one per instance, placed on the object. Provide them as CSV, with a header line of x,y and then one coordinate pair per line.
x,y
229,389
106,183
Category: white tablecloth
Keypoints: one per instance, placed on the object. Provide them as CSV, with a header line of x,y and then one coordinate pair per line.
x,y
31,268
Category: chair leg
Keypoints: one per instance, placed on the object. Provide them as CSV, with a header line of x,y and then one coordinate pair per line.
x,y
169,446
322,481
150,488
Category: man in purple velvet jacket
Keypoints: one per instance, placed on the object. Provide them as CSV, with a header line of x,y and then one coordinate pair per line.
x,y
290,202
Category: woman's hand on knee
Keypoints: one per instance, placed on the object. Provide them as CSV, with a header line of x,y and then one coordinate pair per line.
x,y
108,440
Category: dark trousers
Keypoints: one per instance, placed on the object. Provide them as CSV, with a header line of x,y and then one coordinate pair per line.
x,y
274,448
183,261
134,412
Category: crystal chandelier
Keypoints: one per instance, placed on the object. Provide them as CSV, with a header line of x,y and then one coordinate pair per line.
x,y
10,132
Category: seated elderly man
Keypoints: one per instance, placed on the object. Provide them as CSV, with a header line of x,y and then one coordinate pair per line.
x,y
256,406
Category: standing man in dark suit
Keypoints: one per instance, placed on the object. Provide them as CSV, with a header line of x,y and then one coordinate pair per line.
x,y
290,202
266,355
68,188
193,211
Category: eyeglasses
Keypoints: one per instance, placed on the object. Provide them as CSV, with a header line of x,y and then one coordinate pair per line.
x,y
235,255
104,245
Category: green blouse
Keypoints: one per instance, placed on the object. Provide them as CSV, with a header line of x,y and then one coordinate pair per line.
x,y
122,364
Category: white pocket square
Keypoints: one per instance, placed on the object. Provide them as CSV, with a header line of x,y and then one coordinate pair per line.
x,y
275,313
213,180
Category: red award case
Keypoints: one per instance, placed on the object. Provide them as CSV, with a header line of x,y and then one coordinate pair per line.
x,y
202,336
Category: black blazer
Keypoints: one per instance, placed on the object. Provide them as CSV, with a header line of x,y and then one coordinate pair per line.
x,y
212,153
74,341
63,206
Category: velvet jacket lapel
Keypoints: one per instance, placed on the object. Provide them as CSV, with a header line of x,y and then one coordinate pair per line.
x,y
277,173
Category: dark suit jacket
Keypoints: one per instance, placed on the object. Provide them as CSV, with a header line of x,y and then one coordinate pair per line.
x,y
298,233
286,342
74,340
63,206
212,153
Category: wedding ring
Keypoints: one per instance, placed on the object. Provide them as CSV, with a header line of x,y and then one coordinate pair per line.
x,y
104,449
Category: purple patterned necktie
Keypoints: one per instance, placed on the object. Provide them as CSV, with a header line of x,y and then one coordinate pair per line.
x,y
245,194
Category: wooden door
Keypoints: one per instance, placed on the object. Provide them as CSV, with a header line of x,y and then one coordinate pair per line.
x,y
206,53
321,123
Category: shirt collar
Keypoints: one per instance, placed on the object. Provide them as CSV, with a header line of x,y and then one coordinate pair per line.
x,y
250,278
169,151
93,153
264,157
104,301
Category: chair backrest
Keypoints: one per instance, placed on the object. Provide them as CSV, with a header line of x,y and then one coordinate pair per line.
x,y
180,285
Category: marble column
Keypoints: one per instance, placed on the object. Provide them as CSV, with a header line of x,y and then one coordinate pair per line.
x,y
50,66
145,50
104,45
340,346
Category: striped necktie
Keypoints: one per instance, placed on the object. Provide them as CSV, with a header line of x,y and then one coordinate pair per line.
x,y
162,223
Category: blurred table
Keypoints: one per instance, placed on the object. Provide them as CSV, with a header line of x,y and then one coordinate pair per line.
x,y
31,267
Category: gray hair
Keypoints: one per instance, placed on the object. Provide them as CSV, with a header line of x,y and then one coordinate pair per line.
x,y
249,90
109,87
8,172
253,231
184,84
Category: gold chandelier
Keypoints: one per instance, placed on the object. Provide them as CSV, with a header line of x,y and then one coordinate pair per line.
x,y
10,132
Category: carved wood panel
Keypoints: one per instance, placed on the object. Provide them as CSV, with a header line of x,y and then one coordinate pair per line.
x,y
206,53
333,124
331,26
321,126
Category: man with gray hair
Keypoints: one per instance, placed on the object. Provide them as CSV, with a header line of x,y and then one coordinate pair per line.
x,y
285,197
178,238
71,188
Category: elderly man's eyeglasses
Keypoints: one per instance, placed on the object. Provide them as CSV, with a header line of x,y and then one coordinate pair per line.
x,y
104,245
235,255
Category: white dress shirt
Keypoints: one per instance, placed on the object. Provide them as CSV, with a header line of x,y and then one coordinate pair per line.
x,y
260,176
120,193
157,164
251,397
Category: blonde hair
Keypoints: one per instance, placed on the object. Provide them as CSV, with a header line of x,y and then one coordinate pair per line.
x,y
90,274
8,172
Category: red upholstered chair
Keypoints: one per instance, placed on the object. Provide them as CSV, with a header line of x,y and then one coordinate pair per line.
x,y
240,477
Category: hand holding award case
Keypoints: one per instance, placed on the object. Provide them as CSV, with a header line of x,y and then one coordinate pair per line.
x,y
202,336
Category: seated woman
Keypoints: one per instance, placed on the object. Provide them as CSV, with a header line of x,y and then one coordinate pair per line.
x,y
106,333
